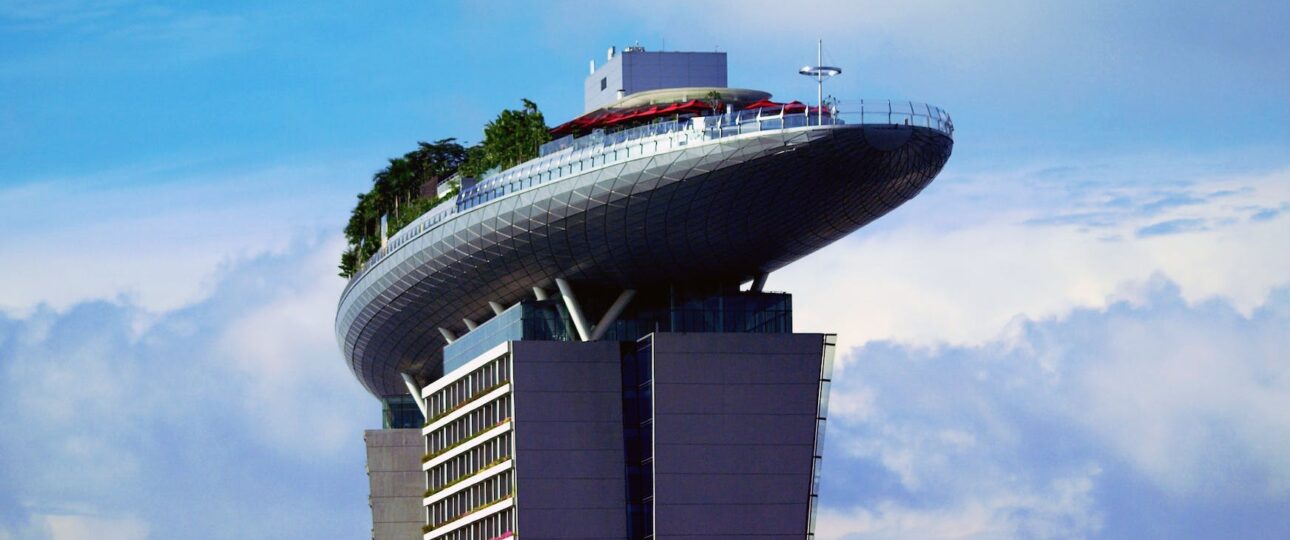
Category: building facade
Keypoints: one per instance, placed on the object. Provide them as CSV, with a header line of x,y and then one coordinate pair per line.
x,y
583,346
636,70
700,434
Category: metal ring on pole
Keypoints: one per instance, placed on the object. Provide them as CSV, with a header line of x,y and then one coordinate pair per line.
x,y
820,71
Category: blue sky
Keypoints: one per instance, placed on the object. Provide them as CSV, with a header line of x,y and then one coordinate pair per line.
x,y
1078,331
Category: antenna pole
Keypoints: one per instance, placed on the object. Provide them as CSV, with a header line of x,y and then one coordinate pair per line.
x,y
819,72
819,83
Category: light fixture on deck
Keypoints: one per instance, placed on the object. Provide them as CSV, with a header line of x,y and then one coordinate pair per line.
x,y
819,72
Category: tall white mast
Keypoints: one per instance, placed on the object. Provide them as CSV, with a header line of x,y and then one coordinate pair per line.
x,y
819,72
819,82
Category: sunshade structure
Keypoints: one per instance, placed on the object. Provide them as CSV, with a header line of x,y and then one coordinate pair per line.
x,y
606,118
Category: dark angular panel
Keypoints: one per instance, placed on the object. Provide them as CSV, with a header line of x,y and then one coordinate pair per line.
x,y
718,452
738,520
553,493
691,458
566,523
753,489
570,477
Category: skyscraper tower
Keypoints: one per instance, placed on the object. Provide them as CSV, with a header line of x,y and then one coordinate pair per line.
x,y
582,346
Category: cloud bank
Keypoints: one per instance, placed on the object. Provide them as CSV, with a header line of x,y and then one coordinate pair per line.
x,y
230,418
978,249
1152,418
1020,364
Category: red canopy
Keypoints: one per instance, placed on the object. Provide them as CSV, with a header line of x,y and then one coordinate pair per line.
x,y
791,107
603,119
762,104
645,113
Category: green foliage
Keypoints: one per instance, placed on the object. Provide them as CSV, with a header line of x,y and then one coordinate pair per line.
x,y
511,139
713,99
395,193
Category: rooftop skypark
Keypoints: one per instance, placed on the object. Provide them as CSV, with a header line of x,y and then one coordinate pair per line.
x,y
411,185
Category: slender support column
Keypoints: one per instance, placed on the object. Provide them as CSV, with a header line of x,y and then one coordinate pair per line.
x,y
575,310
759,282
612,314
415,390
447,334
470,325
497,308
540,293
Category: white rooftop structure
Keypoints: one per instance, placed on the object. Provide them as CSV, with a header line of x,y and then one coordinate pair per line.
x,y
637,70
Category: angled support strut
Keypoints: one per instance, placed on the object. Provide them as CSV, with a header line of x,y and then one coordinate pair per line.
x,y
575,309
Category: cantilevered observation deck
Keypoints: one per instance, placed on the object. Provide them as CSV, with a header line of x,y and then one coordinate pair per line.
x,y
726,197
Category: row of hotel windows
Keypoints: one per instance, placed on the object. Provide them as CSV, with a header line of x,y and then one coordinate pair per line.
x,y
471,499
473,384
476,421
494,527
487,454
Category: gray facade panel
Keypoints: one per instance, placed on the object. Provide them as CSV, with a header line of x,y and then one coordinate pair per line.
x,y
564,435
735,535
756,478
741,521
543,493
572,523
638,71
580,463
593,96
759,368
557,406
752,344
558,376
747,489
769,399
700,459
395,482
570,481
729,429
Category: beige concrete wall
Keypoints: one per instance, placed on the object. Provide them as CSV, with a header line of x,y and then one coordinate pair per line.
x,y
396,482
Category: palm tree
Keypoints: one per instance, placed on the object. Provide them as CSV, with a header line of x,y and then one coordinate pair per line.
x,y
512,138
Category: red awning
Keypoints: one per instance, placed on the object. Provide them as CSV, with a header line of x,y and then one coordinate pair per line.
x,y
790,107
762,104
646,113
603,119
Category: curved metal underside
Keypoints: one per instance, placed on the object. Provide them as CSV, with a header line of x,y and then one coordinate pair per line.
x,y
723,210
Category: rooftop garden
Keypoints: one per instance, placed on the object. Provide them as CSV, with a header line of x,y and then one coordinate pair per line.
x,y
406,188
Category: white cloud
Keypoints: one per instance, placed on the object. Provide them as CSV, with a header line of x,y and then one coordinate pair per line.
x,y
1063,509
74,527
156,236
1038,248
277,348
1051,429
238,405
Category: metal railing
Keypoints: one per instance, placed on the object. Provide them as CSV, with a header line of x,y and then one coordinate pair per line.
x,y
568,156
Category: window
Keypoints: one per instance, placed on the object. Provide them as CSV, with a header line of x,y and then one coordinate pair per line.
x,y
604,83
